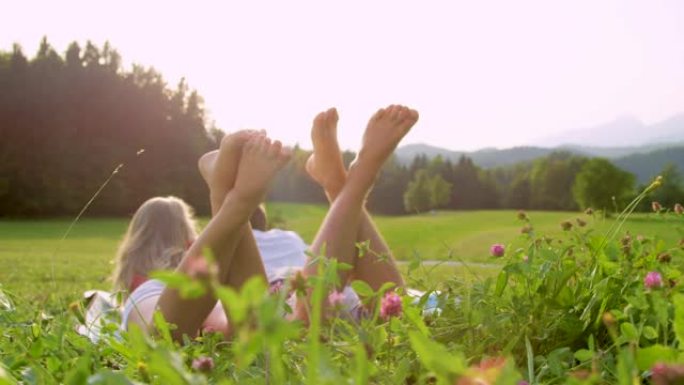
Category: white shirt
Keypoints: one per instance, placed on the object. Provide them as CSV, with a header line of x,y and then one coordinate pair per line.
x,y
281,253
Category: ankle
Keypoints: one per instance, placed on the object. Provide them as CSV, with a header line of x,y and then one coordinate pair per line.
x,y
363,171
332,190
359,182
240,204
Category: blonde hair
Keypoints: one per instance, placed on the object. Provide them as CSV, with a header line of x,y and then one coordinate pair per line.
x,y
157,237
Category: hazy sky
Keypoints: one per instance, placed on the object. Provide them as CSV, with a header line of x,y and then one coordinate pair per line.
x,y
481,73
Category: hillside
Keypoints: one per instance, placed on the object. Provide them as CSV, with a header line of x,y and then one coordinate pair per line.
x,y
648,166
488,157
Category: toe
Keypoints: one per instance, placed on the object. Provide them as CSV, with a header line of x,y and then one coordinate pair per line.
x,y
275,149
402,113
393,112
265,144
285,154
413,115
379,114
409,119
333,117
319,119
251,144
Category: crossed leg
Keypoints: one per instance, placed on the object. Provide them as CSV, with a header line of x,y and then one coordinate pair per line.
x,y
219,169
346,217
260,160
325,166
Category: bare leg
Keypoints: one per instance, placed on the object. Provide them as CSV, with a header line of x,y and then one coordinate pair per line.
x,y
340,227
219,169
325,166
260,161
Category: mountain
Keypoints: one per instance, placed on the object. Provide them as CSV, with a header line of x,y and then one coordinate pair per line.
x,y
405,154
624,131
488,157
624,137
619,152
647,166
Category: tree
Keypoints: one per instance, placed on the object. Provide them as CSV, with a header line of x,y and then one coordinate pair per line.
x,y
66,123
417,197
551,181
519,193
440,193
467,184
387,196
599,182
426,192
73,56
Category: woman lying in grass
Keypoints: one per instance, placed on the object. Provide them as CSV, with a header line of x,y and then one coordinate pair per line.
x,y
238,175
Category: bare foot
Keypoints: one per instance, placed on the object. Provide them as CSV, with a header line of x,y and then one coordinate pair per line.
x,y
260,161
325,165
219,167
384,132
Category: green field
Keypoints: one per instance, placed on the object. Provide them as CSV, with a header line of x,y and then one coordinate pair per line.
x,y
467,235
36,263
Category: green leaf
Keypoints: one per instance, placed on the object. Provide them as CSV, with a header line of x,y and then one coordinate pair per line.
x,y
386,286
627,373
647,357
649,332
187,287
362,288
254,291
678,301
413,315
231,300
629,331
661,309
501,282
435,357
167,366
363,248
584,355
530,358
361,365
162,327
341,266
638,301
79,373
5,377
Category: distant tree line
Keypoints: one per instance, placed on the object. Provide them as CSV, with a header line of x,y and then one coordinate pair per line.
x,y
559,181
67,122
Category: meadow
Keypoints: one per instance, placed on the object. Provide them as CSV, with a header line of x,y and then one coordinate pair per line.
x,y
593,304
38,264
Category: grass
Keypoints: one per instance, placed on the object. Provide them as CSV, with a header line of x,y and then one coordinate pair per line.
x,y
37,265
29,250
467,235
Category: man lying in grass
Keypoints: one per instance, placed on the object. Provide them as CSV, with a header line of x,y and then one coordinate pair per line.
x,y
238,175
